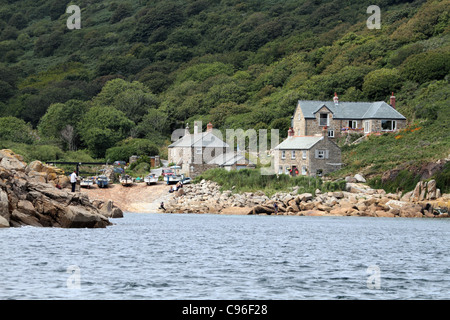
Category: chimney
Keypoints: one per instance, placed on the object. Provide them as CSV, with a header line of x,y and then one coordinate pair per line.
x,y
336,99
186,131
195,128
209,127
393,100
290,133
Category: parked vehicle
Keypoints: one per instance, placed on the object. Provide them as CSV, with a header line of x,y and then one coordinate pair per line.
x,y
120,163
186,180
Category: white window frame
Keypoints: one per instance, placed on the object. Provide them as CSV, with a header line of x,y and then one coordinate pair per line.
x,y
320,154
304,170
393,125
304,154
366,126
292,154
198,151
320,118
353,124
283,154
330,133
286,170
280,170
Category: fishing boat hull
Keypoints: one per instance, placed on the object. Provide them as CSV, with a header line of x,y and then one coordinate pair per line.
x,y
102,182
126,181
86,183
150,179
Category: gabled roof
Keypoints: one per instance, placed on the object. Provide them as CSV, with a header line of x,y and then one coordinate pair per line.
x,y
351,110
228,159
299,143
203,139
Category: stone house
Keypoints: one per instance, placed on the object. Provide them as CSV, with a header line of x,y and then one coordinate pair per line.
x,y
315,155
341,118
194,152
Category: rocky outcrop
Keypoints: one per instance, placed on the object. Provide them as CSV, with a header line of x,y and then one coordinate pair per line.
x,y
28,196
357,200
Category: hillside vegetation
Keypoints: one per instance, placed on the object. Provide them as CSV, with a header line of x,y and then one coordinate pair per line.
x,y
137,70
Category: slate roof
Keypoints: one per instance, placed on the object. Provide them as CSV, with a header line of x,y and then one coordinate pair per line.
x,y
299,142
204,139
351,110
228,159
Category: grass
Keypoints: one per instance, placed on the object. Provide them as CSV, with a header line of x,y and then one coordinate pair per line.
x,y
248,180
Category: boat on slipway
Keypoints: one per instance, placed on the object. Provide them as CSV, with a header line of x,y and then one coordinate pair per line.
x,y
151,179
102,181
126,180
87,182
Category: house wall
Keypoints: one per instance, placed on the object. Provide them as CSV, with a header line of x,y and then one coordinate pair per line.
x,y
299,122
375,124
334,156
312,164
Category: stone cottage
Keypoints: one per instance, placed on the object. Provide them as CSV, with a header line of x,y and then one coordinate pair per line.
x,y
340,118
194,152
314,155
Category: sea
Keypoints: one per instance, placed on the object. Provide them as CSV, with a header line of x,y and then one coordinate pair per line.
x,y
223,257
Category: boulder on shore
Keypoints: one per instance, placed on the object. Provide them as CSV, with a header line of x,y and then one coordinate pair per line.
x,y
28,196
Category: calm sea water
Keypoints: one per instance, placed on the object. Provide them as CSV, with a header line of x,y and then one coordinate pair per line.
x,y
173,256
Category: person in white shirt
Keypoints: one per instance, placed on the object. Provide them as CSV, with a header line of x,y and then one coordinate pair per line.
x,y
73,180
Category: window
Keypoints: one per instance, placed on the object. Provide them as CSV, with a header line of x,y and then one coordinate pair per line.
x,y
388,125
353,124
330,133
366,126
322,154
286,170
283,154
304,154
198,151
293,154
304,170
323,119
280,170
319,172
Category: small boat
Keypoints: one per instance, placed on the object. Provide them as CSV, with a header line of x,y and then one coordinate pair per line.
x,y
87,182
175,177
102,181
151,179
126,180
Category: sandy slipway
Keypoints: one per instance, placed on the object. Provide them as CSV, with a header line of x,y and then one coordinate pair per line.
x,y
357,200
28,196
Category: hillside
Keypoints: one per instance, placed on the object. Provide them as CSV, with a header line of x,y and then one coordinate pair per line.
x,y
137,70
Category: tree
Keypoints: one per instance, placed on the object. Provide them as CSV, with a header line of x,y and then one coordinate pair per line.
x,y
15,130
102,127
426,66
61,121
132,98
378,83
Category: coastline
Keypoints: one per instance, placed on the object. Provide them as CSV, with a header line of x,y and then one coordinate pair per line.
x,y
206,197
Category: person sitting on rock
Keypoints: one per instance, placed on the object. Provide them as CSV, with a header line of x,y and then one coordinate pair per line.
x,y
171,190
275,206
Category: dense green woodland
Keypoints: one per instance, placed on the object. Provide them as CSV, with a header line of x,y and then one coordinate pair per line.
x,y
137,70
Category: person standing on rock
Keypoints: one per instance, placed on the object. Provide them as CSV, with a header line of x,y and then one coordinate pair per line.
x,y
73,180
